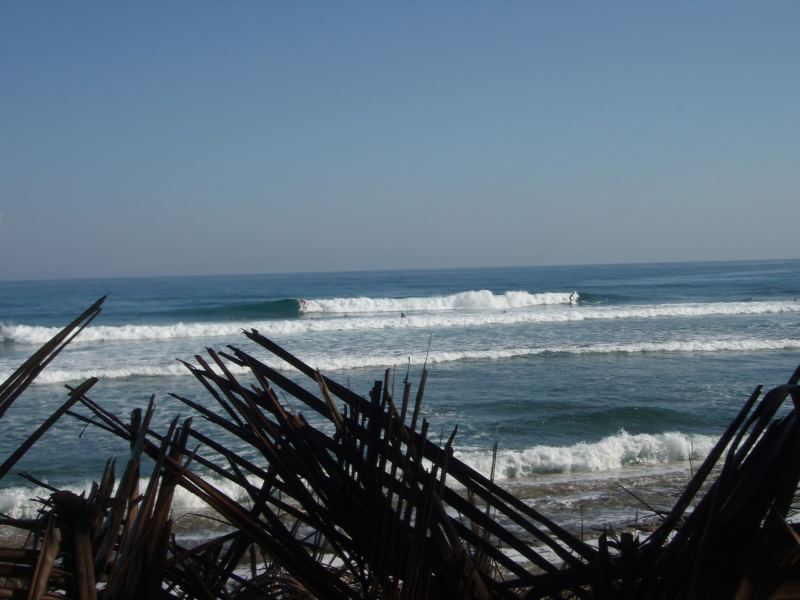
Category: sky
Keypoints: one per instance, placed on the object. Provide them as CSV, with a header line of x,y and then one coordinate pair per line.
x,y
182,138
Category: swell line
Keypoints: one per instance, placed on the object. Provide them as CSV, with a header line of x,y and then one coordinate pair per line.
x,y
338,362
32,334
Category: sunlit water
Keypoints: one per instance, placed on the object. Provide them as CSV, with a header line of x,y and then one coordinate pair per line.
x,y
587,377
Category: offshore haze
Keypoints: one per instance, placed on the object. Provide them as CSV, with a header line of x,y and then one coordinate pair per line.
x,y
206,138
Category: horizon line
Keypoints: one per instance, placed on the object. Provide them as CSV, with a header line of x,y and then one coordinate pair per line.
x,y
396,269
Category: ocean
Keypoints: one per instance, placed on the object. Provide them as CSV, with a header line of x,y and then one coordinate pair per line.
x,y
593,380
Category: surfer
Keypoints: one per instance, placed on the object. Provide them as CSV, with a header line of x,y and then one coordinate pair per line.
x,y
303,304
573,298
402,315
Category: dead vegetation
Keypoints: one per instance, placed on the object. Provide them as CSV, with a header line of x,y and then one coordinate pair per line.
x,y
370,507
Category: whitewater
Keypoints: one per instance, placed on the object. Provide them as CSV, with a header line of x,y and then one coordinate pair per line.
x,y
27,334
584,376
332,362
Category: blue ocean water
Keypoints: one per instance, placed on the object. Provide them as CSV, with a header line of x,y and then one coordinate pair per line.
x,y
588,372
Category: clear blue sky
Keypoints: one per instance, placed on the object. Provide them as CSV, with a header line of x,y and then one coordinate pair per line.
x,y
151,138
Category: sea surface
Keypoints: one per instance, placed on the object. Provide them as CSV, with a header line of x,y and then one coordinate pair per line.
x,y
591,379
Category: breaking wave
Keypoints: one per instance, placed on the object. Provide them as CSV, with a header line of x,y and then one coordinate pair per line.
x,y
473,300
31,334
610,453
341,362
19,502
708,345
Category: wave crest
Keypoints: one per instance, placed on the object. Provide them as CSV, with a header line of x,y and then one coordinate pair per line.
x,y
19,502
610,453
472,300
341,362
30,334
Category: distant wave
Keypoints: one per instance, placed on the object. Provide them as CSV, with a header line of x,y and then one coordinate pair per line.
x,y
703,345
473,300
269,309
29,334
337,362
53,375
610,453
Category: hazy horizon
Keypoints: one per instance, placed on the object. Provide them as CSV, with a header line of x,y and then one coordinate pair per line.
x,y
406,269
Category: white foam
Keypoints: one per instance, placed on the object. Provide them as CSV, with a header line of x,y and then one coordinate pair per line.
x,y
19,502
621,450
338,361
707,309
610,453
28,334
473,300
31,334
50,376
702,345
